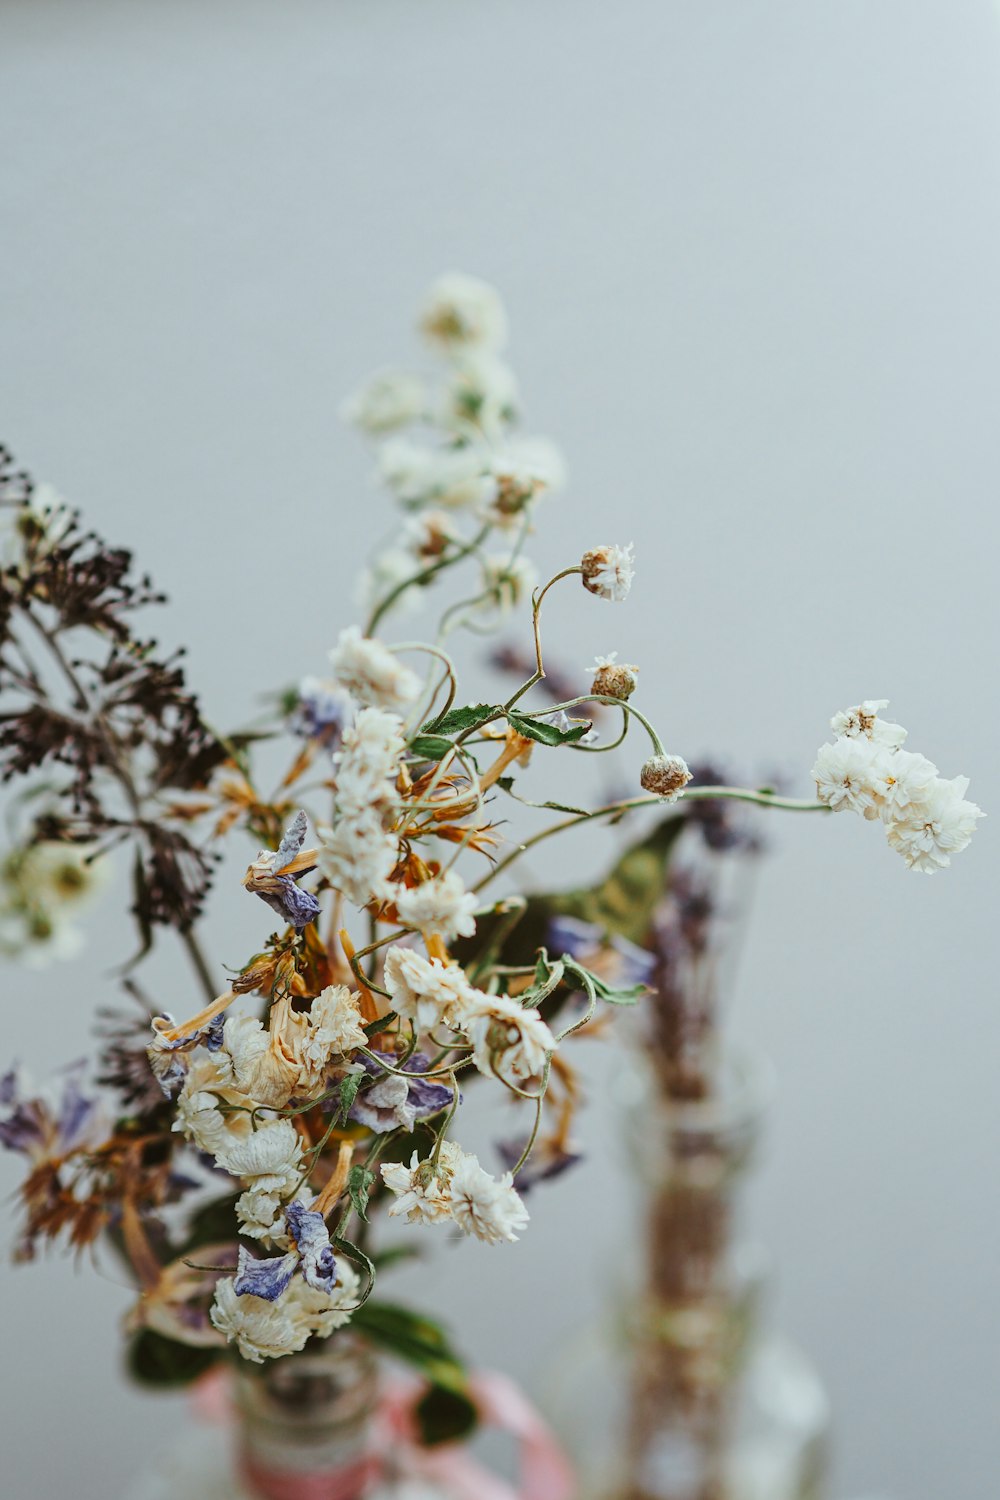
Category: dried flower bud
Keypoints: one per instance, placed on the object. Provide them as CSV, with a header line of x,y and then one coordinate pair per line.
x,y
614,679
608,571
666,775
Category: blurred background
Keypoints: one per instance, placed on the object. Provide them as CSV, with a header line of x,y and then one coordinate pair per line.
x,y
750,255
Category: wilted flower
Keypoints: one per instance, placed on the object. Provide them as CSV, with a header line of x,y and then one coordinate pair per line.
x,y
394,1102
424,991
608,571
372,673
440,905
485,1206
461,311
268,1158
263,1329
936,828
273,876
388,399
614,679
863,721
665,775
510,1041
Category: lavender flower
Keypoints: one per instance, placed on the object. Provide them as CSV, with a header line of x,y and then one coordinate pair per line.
x,y
266,879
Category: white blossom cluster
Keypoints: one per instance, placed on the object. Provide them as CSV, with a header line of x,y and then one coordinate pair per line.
x,y
456,1190
448,450
927,818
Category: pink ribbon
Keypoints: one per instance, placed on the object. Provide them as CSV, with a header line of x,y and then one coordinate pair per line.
x,y
545,1471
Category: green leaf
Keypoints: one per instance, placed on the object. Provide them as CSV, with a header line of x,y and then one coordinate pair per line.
x,y
355,1253
548,734
349,1086
416,1339
379,1024
155,1360
458,720
431,746
614,995
359,1185
445,1416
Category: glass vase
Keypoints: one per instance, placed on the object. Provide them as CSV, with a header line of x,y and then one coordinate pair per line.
x,y
685,1394
297,1428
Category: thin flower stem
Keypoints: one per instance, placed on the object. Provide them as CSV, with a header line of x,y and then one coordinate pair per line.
x,y
446,1122
690,794
532,1138
424,576
537,598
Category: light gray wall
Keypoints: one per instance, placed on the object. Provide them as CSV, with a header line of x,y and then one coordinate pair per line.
x,y
750,252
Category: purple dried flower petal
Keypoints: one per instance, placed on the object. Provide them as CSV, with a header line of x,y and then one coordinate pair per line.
x,y
309,1231
264,1278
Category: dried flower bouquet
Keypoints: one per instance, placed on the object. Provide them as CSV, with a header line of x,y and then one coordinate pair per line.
x,y
325,1080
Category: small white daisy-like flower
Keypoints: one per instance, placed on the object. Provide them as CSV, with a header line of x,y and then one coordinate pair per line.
x,y
845,774
388,399
197,1116
440,905
456,478
357,856
260,1329
612,678
509,1042
863,722
320,1311
461,311
372,673
480,394
335,1027
422,1190
269,1158
506,582
933,830
609,571
261,1215
666,775
485,1206
901,779
424,991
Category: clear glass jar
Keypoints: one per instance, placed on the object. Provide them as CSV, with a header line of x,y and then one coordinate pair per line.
x,y
298,1428
683,1396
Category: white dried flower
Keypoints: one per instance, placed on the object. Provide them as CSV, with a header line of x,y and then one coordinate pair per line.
x,y
460,311
388,399
862,721
260,1329
935,829
422,1189
612,678
268,1159
322,1312
480,394
357,856
507,583
267,1330
485,1206
372,673
666,775
900,779
424,991
261,1216
845,773
441,905
509,1042
609,571
457,478
197,1115
335,1027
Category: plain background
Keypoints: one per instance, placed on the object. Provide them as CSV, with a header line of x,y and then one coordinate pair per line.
x,y
750,251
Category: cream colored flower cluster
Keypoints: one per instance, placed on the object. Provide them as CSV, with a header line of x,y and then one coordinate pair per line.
x,y
865,770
